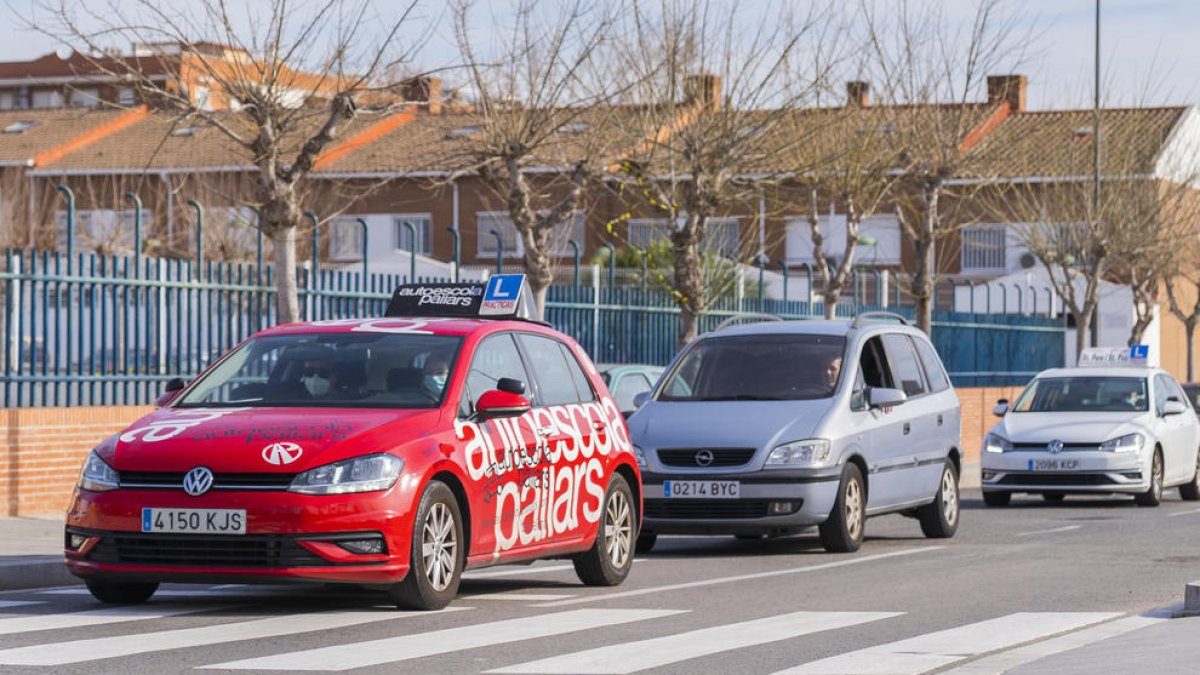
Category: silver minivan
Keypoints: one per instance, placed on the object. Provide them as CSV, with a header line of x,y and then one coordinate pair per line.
x,y
774,427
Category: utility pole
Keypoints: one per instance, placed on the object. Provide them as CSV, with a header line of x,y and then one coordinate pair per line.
x,y
1095,327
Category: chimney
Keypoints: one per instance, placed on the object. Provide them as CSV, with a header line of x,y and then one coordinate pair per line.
x,y
1009,88
423,89
703,89
858,94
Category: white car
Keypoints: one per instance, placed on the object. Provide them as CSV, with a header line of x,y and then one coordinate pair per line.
x,y
1127,430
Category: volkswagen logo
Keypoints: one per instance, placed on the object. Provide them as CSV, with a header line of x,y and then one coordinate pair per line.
x,y
1055,447
198,481
704,457
281,453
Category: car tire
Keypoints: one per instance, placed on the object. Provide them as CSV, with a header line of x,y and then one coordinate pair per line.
x,y
436,552
939,518
121,593
645,542
997,498
610,558
1054,497
1190,491
1153,494
842,531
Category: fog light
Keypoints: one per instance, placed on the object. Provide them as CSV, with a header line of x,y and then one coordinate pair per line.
x,y
987,475
783,508
1133,475
372,546
74,541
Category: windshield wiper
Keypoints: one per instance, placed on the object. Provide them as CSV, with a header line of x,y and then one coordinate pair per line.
x,y
741,397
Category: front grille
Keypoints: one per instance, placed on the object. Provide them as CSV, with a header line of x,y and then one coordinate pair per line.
x,y
1044,447
263,551
706,508
1056,479
244,482
686,457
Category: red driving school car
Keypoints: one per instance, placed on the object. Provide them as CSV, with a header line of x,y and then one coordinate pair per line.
x,y
452,433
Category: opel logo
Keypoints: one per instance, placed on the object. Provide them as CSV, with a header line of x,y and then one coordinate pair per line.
x,y
198,481
704,457
281,453
1055,447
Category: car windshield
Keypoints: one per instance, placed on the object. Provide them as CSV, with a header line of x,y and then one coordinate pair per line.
x,y
331,370
1084,394
778,367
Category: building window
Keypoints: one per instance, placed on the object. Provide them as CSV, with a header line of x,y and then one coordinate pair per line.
x,y
346,239
423,223
126,96
85,98
564,232
985,248
722,237
47,98
102,230
645,231
485,241
203,98
7,100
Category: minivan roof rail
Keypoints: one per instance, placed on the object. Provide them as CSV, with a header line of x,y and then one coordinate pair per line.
x,y
869,316
750,316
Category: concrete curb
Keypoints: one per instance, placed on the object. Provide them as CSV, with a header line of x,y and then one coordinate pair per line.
x,y
34,572
1191,599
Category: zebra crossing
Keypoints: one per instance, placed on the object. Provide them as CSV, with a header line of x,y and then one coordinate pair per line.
x,y
49,629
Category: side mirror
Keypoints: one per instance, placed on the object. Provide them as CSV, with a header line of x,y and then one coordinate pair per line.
x,y
1001,408
882,397
501,404
640,399
511,385
174,386
1174,408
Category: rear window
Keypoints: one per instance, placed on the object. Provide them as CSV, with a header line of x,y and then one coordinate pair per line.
x,y
757,368
1084,394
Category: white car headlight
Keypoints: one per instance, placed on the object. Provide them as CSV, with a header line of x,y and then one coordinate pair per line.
x,y
1126,443
640,456
97,475
809,452
360,474
994,443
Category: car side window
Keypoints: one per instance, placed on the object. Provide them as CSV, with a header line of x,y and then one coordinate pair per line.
x,y
556,385
495,357
905,370
1178,392
582,384
1162,392
858,395
628,387
873,365
933,366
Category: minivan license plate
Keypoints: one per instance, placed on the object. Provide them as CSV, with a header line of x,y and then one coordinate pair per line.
x,y
194,521
702,489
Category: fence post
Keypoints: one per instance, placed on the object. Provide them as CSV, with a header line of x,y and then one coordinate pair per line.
x,y
499,251
1020,303
362,286
456,240
1033,304
575,254
412,251
881,288
595,311
137,232
645,270
70,195
1003,298
199,236
783,268
762,271
612,264
808,280
1051,310
971,286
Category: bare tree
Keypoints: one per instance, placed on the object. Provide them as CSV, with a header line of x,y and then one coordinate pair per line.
x,y
712,97
1182,275
292,100
544,120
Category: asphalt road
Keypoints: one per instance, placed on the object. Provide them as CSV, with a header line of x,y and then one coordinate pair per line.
x,y
1020,587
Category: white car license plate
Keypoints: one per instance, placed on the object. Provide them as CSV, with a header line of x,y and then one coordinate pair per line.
x,y
194,521
1053,464
702,489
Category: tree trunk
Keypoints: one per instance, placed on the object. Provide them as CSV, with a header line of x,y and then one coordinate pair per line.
x,y
1190,330
923,275
286,301
689,278
539,271
1083,328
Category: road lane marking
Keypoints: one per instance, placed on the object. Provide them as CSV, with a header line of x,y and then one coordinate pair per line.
x,y
630,657
943,648
406,647
1066,528
1005,661
5,604
198,593
1183,513
517,597
77,651
96,617
741,577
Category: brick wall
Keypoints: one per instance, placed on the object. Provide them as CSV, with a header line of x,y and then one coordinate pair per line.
x,y
41,449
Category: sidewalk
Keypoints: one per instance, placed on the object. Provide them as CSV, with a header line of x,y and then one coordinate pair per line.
x,y
1166,648
31,553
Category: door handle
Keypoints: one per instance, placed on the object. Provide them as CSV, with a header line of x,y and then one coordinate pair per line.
x,y
907,428
940,420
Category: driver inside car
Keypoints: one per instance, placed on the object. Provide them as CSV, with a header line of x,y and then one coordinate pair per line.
x,y
434,373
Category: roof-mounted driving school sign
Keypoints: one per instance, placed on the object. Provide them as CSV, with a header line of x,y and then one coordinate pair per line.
x,y
1136,355
504,296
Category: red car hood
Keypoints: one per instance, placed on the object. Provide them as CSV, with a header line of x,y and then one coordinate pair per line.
x,y
260,440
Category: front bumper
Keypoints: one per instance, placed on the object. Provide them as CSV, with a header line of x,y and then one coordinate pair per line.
x,y
809,494
1067,472
289,537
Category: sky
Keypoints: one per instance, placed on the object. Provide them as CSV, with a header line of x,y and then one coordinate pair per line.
x,y
1150,48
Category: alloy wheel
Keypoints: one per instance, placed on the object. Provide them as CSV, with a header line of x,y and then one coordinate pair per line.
x,y
618,529
439,546
854,509
949,497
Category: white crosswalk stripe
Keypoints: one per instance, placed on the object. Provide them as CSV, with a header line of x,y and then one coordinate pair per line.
x,y
631,657
127,645
943,648
403,648
96,617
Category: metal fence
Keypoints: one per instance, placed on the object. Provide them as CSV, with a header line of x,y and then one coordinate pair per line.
x,y
96,330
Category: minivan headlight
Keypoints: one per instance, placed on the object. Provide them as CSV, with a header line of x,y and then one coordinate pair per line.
x,y
1126,443
361,474
97,475
997,444
810,452
640,456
